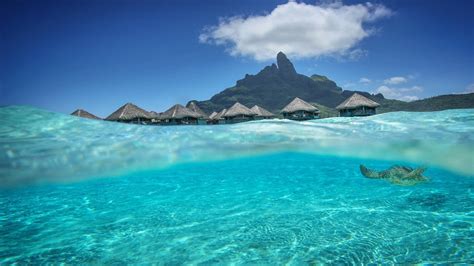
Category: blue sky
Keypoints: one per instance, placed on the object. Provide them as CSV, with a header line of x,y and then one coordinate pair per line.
x,y
98,55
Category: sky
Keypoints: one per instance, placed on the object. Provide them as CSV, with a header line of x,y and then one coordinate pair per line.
x,y
100,54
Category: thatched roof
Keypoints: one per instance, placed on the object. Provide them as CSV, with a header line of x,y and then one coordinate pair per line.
x,y
357,100
212,115
194,107
178,111
85,114
299,105
260,111
220,115
239,109
127,112
154,115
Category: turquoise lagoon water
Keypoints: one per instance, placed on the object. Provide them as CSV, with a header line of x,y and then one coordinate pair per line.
x,y
267,192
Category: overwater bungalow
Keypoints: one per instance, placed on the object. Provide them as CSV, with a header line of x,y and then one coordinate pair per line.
x,y
85,114
217,118
180,115
130,113
238,113
262,113
194,107
155,117
211,117
357,105
300,110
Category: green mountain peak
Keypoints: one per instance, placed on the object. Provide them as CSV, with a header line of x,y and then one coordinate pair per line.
x,y
277,84
274,87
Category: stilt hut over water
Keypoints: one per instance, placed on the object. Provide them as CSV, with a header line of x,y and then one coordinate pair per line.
x,y
357,105
238,113
195,108
210,119
85,114
180,115
262,113
155,117
218,118
300,110
211,116
130,113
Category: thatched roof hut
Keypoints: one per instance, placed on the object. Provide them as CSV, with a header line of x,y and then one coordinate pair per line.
x,y
129,112
178,111
357,105
299,105
194,107
355,101
221,114
261,112
155,117
211,117
85,114
239,109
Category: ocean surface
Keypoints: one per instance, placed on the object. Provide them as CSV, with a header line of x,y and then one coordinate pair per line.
x,y
81,191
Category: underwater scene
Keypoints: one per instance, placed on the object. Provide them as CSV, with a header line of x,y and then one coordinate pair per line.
x,y
328,191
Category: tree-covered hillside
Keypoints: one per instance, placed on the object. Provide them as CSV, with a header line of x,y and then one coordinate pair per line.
x,y
276,85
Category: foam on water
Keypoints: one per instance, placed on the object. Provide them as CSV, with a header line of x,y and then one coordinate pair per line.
x,y
40,146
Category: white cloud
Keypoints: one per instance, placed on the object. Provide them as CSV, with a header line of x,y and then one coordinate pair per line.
x,y
364,80
387,92
300,30
403,94
355,54
409,98
395,80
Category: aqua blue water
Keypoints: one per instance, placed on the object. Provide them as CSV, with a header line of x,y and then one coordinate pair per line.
x,y
271,192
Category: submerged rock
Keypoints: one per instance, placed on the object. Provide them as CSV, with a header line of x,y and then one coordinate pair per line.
x,y
398,175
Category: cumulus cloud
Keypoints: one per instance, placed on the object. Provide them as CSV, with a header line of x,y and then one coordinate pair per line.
x,y
395,80
409,98
364,80
403,94
300,30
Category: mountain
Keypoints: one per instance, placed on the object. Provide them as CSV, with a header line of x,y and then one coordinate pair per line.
x,y
437,103
276,85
